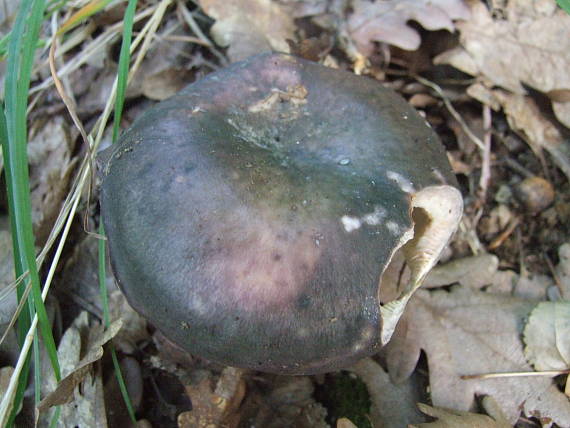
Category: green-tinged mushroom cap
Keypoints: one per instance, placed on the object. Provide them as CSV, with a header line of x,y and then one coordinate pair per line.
x,y
251,216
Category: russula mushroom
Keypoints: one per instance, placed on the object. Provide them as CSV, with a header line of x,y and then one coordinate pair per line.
x,y
250,217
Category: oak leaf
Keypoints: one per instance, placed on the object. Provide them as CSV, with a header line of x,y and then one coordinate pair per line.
x,y
465,333
248,27
387,21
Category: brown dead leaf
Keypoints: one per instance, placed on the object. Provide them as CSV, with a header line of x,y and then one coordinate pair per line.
x,y
547,336
475,272
167,66
465,332
249,27
447,418
393,405
387,21
345,423
289,402
5,375
8,299
51,166
82,388
63,393
526,119
215,407
529,47
134,326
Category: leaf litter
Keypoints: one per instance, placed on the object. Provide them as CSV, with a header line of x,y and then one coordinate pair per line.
x,y
471,317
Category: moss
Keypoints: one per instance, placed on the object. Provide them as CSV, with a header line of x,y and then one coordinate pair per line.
x,y
345,396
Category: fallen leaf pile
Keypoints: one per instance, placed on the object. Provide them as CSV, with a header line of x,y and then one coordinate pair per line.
x,y
533,35
465,332
454,418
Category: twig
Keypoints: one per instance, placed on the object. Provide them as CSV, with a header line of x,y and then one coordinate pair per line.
x,y
486,154
548,373
498,241
187,15
452,110
517,167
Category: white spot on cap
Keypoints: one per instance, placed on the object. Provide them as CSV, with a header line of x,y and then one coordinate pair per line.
x,y
406,185
350,223
374,218
393,227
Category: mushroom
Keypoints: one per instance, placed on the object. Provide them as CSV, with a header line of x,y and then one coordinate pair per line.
x,y
251,216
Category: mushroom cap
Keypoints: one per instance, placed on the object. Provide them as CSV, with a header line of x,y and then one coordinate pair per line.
x,y
250,217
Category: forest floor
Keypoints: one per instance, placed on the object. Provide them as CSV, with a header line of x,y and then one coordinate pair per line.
x,y
492,80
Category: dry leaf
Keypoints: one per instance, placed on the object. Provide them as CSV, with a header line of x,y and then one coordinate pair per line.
x,y
345,423
215,407
63,393
525,118
547,336
117,414
452,418
8,300
290,402
51,166
82,386
392,405
167,66
134,326
465,332
534,37
387,21
249,27
475,272
5,375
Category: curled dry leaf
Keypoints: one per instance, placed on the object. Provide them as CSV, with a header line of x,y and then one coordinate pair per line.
x,y
447,418
64,390
215,406
80,393
393,405
533,36
387,21
547,336
463,333
249,27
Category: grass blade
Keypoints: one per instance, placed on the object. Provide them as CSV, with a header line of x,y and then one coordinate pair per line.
x,y
21,46
122,78
564,4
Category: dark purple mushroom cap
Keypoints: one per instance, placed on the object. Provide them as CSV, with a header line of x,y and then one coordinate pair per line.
x,y
251,216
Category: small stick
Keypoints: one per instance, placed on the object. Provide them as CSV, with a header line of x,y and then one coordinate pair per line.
x,y
498,241
548,373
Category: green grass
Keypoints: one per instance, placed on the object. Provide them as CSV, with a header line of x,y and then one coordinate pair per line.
x,y
23,39
564,4
51,7
122,78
